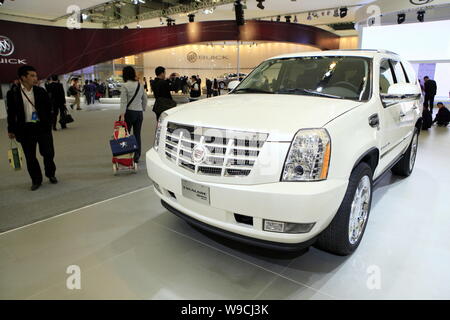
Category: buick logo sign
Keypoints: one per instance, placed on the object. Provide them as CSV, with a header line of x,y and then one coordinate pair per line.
x,y
192,57
6,46
199,153
420,2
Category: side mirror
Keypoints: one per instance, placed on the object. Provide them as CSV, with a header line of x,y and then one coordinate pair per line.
x,y
401,92
233,84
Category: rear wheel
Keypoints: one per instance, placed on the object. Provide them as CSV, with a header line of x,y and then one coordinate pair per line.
x,y
346,230
406,164
222,85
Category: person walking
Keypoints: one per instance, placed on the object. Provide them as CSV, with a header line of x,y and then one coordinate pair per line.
x,y
430,89
161,92
195,89
145,85
216,89
208,88
29,120
133,102
74,91
86,92
57,97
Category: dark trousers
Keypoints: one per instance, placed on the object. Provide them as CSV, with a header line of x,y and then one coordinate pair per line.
x,y
88,98
59,109
429,102
35,135
134,121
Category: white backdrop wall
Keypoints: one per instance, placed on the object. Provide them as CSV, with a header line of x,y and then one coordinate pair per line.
x,y
213,61
425,42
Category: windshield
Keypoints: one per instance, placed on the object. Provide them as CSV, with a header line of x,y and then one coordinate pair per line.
x,y
340,77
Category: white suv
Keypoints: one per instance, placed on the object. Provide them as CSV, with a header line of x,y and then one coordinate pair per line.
x,y
289,158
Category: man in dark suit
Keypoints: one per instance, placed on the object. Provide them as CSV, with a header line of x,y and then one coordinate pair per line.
x,y
161,91
430,89
30,122
58,99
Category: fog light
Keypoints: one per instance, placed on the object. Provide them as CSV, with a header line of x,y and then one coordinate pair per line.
x,y
157,187
287,227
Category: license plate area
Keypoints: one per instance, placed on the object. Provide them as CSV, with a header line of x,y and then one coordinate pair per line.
x,y
195,191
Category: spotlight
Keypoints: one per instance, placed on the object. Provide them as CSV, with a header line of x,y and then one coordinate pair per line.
x,y
288,19
421,16
260,4
239,12
401,17
343,12
191,17
278,18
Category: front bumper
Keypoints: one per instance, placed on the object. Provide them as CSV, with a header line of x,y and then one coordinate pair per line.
x,y
296,202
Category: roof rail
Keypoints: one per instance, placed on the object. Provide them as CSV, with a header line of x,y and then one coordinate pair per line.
x,y
374,50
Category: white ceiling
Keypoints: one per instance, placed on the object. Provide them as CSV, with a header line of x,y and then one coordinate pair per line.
x,y
50,9
47,9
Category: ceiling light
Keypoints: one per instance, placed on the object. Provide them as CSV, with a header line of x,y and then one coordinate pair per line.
x,y
421,15
401,17
208,11
239,13
260,4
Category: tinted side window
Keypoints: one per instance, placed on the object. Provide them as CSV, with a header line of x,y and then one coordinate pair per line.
x,y
399,73
386,77
412,77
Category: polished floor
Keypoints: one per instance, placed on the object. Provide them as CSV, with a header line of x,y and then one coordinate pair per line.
x,y
130,247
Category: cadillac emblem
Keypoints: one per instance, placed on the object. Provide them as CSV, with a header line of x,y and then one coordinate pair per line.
x,y
199,154
6,46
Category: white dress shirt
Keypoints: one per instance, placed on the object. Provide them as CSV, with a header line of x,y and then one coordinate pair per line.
x,y
28,107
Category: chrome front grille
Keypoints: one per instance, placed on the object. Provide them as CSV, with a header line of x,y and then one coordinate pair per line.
x,y
225,153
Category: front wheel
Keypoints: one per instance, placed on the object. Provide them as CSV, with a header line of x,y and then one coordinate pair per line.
x,y
406,164
346,230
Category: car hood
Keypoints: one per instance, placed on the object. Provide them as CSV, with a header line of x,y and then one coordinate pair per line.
x,y
281,116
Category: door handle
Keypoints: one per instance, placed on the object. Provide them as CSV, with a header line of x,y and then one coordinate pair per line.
x,y
402,115
374,121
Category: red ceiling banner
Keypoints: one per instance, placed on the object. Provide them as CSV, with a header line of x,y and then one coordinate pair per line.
x,y
59,50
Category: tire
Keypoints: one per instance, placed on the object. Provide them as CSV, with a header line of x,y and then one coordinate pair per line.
x,y
405,166
222,85
336,237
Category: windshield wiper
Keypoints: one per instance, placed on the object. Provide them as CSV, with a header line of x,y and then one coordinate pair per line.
x,y
311,92
252,90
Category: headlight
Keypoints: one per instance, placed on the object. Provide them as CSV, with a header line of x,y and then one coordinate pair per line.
x,y
309,156
158,130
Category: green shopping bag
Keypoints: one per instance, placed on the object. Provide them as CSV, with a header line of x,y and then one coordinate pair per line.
x,y
15,155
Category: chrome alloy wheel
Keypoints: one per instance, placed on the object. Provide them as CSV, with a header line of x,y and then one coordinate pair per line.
x,y
412,158
359,210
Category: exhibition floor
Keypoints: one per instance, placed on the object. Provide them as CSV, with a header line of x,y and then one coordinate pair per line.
x,y
130,247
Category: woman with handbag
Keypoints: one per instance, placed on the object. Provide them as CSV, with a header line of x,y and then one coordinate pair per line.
x,y
133,102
